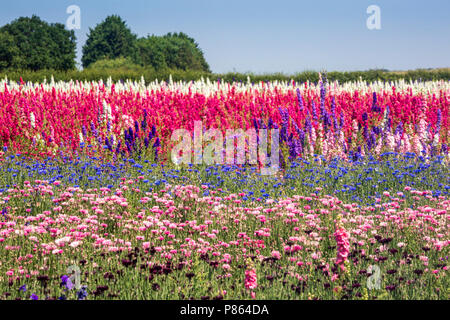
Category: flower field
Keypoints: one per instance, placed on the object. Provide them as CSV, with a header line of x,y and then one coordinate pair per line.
x,y
358,210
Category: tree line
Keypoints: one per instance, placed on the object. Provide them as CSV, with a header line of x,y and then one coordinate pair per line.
x,y
33,44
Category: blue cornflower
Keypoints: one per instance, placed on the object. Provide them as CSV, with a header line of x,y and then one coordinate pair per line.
x,y
23,288
82,293
34,297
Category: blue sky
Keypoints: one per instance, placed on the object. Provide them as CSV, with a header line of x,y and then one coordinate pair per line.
x,y
275,36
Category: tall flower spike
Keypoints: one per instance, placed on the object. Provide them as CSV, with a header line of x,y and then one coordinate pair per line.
x,y
299,99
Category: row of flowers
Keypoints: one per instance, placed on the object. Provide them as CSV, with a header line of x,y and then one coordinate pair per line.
x,y
325,118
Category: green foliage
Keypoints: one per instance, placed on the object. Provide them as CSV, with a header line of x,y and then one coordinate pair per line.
x,y
150,52
108,65
33,44
173,51
134,73
8,51
110,39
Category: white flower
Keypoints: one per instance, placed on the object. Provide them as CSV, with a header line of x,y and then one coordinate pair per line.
x,y
33,120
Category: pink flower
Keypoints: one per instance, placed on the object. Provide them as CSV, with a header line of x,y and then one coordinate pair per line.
x,y
276,254
146,245
75,244
343,246
251,279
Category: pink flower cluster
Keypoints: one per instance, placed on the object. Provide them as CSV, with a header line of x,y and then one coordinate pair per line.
x,y
251,281
216,226
343,246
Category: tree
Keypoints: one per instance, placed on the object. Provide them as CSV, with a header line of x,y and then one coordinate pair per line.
x,y
173,50
30,43
110,39
8,51
150,52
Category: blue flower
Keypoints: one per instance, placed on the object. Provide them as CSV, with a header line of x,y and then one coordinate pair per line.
x,y
82,293
34,297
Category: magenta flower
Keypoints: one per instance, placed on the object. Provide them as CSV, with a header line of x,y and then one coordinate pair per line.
x,y
251,281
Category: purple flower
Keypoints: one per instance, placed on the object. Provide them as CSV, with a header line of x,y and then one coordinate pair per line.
x,y
136,126
107,143
444,148
144,124
23,288
66,282
439,119
130,133
300,100
127,143
364,116
255,124
375,108
34,297
314,114
399,129
308,126
157,143
93,129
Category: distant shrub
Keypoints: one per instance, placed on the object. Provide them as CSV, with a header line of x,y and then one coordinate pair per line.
x,y
124,69
124,64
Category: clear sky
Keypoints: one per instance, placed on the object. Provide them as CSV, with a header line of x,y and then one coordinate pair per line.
x,y
275,36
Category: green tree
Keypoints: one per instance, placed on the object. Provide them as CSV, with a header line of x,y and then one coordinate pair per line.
x,y
110,39
8,51
184,53
31,43
173,51
150,52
